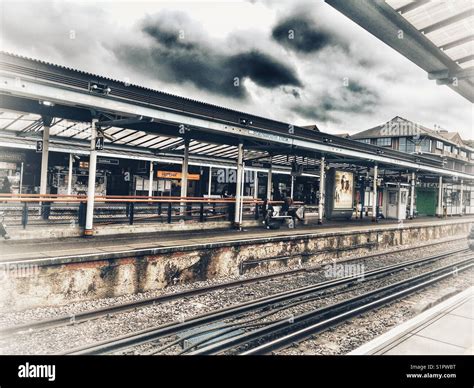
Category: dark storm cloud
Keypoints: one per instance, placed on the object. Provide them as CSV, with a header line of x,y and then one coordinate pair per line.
x,y
353,98
173,58
315,112
168,38
301,33
294,92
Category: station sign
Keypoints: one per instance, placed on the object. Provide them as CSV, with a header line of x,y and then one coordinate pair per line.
x,y
12,156
114,162
7,166
99,143
257,164
176,175
39,145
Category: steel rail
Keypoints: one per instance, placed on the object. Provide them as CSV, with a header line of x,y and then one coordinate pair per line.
x,y
329,315
153,333
333,320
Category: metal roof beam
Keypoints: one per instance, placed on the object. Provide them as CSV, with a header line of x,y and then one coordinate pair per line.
x,y
137,138
66,129
153,138
172,146
33,127
158,142
124,122
465,59
441,74
81,131
205,148
123,137
221,151
443,77
446,22
457,42
411,6
13,122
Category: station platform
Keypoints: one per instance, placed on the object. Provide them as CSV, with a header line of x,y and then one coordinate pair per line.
x,y
48,272
110,246
445,329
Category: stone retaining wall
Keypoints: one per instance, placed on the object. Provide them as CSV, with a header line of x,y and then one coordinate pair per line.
x,y
57,282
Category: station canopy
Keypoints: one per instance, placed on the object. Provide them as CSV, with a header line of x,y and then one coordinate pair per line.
x,y
437,35
22,129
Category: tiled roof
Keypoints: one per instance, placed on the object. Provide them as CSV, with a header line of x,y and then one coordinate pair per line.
x,y
399,127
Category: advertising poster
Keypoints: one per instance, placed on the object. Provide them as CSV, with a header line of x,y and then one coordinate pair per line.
x,y
343,190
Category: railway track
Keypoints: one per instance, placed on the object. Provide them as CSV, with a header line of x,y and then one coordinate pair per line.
x,y
89,315
301,295
326,318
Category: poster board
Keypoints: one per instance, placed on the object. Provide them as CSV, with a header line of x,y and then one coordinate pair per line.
x,y
339,200
343,190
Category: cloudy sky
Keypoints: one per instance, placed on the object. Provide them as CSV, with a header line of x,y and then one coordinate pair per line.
x,y
296,61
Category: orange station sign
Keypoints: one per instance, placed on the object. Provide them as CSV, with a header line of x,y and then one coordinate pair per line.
x,y
176,175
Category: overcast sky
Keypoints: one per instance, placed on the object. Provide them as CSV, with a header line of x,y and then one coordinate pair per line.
x,y
299,62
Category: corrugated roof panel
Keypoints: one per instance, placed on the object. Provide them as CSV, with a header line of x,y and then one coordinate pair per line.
x,y
460,51
9,122
142,139
122,136
153,141
467,64
167,141
452,32
399,3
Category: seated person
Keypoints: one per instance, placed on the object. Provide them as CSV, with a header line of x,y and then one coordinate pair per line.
x,y
288,210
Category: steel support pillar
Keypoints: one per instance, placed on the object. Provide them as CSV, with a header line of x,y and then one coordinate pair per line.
x,y
375,201
238,188
269,184
184,177
255,184
44,160
322,189
91,183
69,174
210,182
412,195
150,180
439,208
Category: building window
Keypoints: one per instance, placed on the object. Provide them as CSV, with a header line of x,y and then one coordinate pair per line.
x,y
455,150
472,155
384,142
406,145
439,145
364,141
463,154
447,148
425,145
